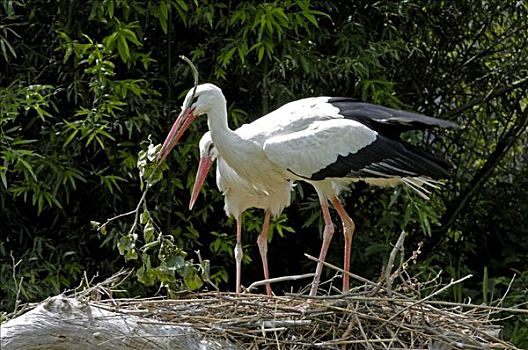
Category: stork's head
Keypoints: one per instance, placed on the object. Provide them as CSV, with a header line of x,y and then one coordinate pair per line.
x,y
196,103
207,156
207,148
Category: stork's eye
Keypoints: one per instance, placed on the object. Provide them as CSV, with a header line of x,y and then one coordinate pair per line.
x,y
210,148
194,100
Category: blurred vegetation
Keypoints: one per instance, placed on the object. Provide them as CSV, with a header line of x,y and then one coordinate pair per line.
x,y
86,85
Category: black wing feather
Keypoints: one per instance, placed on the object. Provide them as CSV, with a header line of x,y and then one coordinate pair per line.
x,y
387,121
385,158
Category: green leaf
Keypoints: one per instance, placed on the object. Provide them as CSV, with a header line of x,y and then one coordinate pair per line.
x,y
226,58
110,8
122,48
145,273
127,247
28,167
131,36
261,53
148,232
110,41
193,281
23,142
3,171
311,18
183,5
164,10
144,217
174,262
101,131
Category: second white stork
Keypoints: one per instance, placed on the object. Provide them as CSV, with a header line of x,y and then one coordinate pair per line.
x,y
327,142
240,195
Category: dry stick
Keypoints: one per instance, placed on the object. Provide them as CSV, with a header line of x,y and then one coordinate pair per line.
x,y
390,263
215,295
357,277
501,300
446,340
239,300
348,330
278,279
251,297
452,283
115,218
349,342
450,303
362,330
266,325
18,285
461,323
109,283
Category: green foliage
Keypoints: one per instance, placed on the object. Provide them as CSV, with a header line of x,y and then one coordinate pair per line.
x,y
85,86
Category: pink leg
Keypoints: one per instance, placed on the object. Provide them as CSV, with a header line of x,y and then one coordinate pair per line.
x,y
239,254
262,242
348,231
327,237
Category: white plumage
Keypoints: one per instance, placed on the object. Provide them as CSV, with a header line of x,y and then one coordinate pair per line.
x,y
240,195
325,141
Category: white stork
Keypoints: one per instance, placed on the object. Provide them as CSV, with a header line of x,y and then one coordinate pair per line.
x,y
240,195
325,141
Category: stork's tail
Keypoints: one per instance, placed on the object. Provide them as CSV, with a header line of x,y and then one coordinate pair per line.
x,y
422,185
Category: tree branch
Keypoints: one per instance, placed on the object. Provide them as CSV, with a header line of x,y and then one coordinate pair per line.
x,y
503,146
484,98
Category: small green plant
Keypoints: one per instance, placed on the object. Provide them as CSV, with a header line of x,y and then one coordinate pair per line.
x,y
161,261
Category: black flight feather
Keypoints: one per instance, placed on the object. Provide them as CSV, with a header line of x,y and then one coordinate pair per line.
x,y
387,121
385,158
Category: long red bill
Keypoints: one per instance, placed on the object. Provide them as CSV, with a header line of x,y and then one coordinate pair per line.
x,y
182,123
201,174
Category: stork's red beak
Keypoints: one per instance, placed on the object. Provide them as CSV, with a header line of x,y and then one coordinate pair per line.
x,y
182,123
201,174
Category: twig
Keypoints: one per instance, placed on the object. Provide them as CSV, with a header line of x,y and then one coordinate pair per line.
x,y
489,95
100,228
507,291
278,279
205,278
18,285
363,332
195,75
141,201
350,342
285,323
146,183
421,301
357,277
390,264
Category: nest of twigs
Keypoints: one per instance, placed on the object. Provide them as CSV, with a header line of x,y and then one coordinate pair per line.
x,y
398,312
355,321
